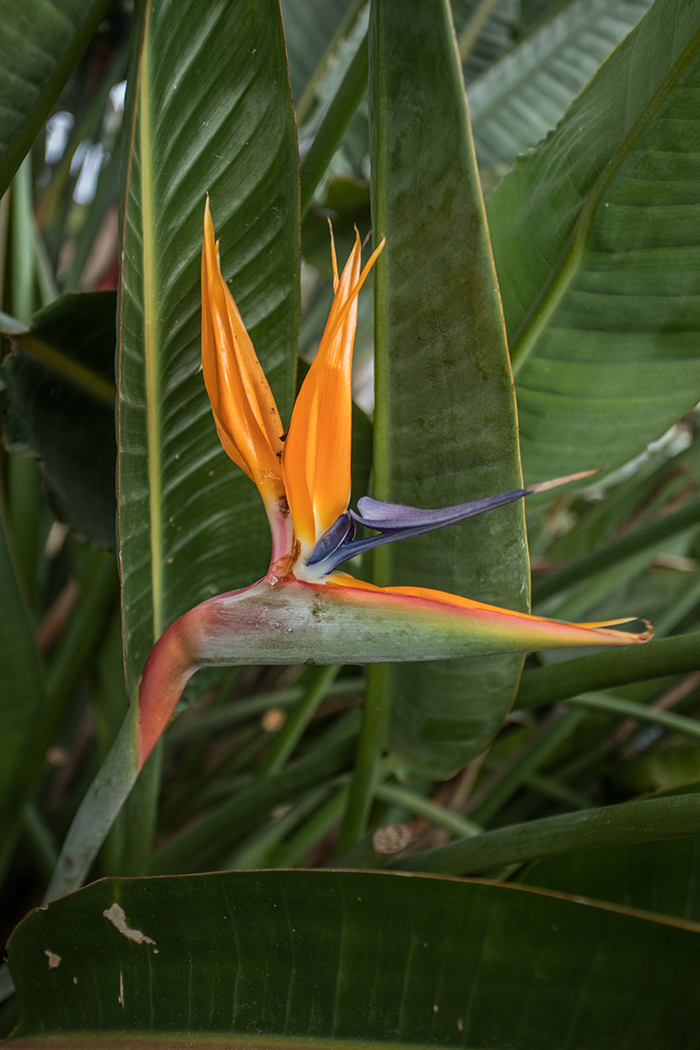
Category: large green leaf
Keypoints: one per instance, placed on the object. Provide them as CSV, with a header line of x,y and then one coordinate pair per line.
x,y
596,241
41,41
658,876
209,110
518,99
445,426
314,958
61,393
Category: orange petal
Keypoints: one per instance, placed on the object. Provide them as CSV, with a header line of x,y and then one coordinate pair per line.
x,y
317,451
244,409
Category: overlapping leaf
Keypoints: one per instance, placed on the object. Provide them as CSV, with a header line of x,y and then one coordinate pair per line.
x,y
596,241
61,393
40,43
445,426
230,133
321,957
517,100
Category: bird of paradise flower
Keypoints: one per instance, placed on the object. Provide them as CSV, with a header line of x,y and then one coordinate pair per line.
x,y
304,609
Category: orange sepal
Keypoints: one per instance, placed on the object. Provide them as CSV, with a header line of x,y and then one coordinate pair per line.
x,y
317,451
244,409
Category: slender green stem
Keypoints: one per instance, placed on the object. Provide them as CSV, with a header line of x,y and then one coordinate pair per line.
x,y
648,536
255,851
23,287
307,102
140,816
601,671
333,126
98,811
423,807
293,729
292,853
562,726
474,27
369,754
643,713
647,821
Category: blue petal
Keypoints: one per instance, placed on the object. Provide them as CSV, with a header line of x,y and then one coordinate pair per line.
x,y
393,521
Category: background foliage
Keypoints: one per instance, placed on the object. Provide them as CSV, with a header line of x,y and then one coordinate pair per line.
x,y
578,811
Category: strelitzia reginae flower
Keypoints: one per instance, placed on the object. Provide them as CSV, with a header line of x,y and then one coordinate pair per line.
x,y
304,609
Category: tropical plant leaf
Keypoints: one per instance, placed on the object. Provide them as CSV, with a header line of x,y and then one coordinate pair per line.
x,y
518,99
61,394
656,876
330,956
596,244
445,426
221,80
41,42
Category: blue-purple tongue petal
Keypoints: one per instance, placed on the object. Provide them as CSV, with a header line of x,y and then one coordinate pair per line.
x,y
377,515
394,521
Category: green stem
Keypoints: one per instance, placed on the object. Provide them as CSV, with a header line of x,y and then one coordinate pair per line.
x,y
308,100
643,713
291,854
423,807
563,725
255,851
140,816
23,301
602,671
369,754
630,822
293,729
333,126
613,553
98,811
474,27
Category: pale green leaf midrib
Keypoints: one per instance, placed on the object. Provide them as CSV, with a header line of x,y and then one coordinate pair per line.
x,y
151,334
574,251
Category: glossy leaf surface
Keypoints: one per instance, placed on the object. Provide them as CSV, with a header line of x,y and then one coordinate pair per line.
x,y
517,100
41,42
658,876
279,957
61,394
231,133
445,424
596,243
